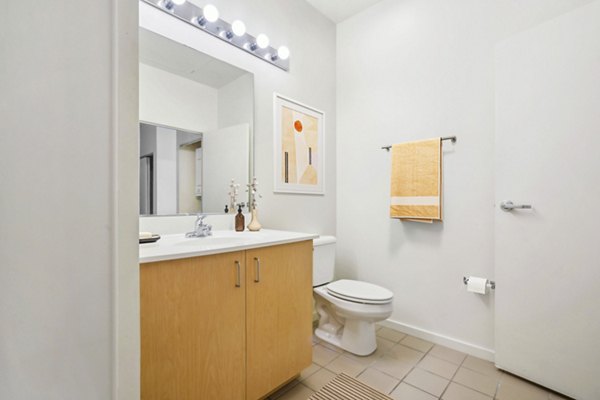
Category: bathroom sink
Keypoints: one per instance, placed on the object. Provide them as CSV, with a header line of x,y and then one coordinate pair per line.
x,y
211,241
222,238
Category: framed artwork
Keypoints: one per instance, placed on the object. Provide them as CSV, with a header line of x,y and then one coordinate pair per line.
x,y
298,147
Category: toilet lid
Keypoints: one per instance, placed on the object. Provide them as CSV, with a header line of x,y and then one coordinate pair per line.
x,y
358,291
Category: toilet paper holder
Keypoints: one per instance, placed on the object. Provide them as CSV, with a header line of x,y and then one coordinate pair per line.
x,y
489,284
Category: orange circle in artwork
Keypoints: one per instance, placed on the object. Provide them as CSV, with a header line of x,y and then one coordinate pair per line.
x,y
298,126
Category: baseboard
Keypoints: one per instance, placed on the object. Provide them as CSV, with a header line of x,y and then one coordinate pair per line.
x,y
456,344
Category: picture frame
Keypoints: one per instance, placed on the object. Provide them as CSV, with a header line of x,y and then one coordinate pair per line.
x,y
298,147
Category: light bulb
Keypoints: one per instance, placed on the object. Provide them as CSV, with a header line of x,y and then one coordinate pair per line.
x,y
283,52
262,41
179,2
238,28
211,13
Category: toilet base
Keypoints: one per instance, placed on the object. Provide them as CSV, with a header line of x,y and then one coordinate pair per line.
x,y
356,337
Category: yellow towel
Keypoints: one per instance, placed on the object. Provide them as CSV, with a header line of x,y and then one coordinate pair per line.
x,y
416,192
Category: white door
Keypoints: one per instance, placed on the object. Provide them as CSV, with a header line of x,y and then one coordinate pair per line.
x,y
225,156
547,259
146,186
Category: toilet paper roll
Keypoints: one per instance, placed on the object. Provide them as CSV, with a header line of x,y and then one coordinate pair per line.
x,y
477,285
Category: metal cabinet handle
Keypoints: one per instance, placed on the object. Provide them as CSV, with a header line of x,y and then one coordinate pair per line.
x,y
257,263
238,281
509,206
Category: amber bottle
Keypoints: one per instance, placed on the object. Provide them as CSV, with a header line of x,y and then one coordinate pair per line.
x,y
240,221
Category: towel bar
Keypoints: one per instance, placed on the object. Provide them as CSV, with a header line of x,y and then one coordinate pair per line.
x,y
451,138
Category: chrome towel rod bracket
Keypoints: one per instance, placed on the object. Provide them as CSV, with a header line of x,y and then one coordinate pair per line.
x,y
451,138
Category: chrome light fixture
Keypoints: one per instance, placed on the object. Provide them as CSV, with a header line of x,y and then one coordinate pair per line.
x,y
207,19
170,4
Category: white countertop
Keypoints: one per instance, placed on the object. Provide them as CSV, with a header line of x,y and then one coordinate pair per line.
x,y
172,247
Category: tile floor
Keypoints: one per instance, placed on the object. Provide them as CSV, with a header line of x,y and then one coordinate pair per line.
x,y
409,368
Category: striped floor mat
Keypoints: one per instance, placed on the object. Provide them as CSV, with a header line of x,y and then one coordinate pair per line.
x,y
343,387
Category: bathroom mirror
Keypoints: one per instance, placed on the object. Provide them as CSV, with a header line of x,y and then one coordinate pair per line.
x,y
196,123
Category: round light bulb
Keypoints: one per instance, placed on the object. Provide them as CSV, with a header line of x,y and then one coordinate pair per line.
x,y
211,13
283,52
179,2
262,41
238,28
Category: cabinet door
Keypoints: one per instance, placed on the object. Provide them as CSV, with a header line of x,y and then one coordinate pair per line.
x,y
279,315
193,328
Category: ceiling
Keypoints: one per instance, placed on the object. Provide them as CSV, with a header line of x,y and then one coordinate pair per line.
x,y
160,52
339,10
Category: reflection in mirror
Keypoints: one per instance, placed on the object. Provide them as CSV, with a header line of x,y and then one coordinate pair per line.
x,y
196,116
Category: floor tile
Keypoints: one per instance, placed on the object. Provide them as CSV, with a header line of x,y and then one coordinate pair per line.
x,y
378,380
366,360
427,381
416,343
384,344
390,334
392,366
514,388
439,367
298,392
482,366
331,346
405,391
459,392
346,365
407,354
315,339
322,355
475,380
319,379
284,389
448,354
309,371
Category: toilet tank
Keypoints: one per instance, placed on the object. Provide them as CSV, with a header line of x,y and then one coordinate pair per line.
x,y
323,259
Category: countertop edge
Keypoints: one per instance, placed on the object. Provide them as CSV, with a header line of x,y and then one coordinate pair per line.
x,y
242,247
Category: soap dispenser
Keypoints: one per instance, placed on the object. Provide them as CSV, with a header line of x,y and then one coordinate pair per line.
x,y
240,221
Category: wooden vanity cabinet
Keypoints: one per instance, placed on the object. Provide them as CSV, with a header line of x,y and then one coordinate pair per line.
x,y
193,328
278,315
205,337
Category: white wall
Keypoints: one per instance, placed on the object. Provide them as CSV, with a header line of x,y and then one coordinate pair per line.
x,y
417,69
68,204
171,100
311,80
236,102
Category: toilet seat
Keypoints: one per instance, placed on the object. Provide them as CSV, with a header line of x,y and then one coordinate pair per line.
x,y
359,292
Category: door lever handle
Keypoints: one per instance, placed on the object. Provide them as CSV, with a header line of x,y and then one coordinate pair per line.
x,y
509,206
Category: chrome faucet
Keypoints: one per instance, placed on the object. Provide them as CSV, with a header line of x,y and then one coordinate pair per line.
x,y
200,228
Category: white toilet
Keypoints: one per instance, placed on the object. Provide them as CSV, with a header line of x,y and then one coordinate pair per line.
x,y
348,309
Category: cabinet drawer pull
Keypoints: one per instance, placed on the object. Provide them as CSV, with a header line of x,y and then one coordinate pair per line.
x,y
257,263
238,282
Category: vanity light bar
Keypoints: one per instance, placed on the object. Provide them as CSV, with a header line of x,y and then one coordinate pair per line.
x,y
208,20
